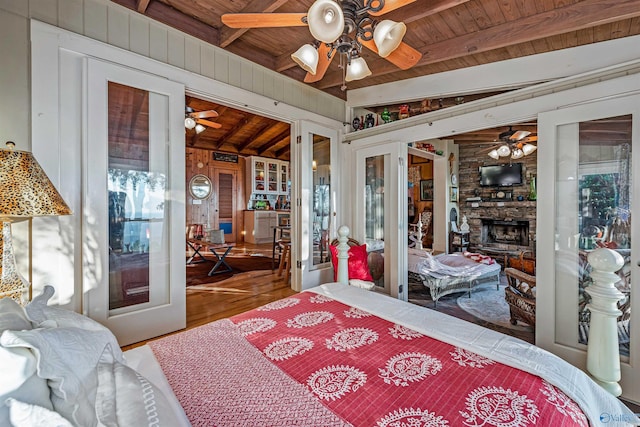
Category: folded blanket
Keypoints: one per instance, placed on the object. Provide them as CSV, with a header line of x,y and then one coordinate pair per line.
x,y
483,259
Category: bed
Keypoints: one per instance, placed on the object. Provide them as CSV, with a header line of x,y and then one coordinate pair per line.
x,y
449,273
335,355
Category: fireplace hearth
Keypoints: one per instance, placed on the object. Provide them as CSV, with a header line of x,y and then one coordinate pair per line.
x,y
504,232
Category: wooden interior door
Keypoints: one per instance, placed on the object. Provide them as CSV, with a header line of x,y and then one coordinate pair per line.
x,y
224,202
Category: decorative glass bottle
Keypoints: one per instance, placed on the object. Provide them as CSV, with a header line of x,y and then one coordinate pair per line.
x,y
533,195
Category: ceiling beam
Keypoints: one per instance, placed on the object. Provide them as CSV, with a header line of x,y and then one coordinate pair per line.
x,y
176,19
577,16
282,151
142,5
241,123
406,14
263,127
228,35
275,140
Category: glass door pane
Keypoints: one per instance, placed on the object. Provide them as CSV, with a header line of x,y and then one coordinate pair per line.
x,y
374,215
322,206
593,210
604,218
136,191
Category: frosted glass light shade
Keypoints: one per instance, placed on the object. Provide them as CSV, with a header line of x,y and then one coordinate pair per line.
x,y
358,69
517,154
189,123
326,20
200,128
494,154
528,149
388,36
306,57
504,150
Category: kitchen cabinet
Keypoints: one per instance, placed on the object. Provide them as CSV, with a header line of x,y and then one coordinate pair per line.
x,y
267,176
259,226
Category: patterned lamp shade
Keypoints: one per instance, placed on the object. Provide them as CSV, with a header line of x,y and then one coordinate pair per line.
x,y
25,192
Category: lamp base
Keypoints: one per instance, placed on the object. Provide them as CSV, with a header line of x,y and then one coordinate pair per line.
x,y
12,284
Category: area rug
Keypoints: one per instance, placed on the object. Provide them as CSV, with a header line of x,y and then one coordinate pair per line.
x,y
197,273
488,304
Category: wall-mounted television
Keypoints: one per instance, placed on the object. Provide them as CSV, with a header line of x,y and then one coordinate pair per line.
x,y
501,175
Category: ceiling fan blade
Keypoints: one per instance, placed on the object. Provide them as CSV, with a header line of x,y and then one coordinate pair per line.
x,y
390,5
323,64
209,123
263,20
403,57
520,134
204,114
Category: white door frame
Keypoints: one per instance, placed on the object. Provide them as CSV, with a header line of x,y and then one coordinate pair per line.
x,y
557,307
395,208
165,311
305,274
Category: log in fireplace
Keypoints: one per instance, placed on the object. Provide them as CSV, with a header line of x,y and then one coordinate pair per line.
x,y
510,232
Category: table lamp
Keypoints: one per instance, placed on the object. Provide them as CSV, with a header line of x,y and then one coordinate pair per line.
x,y
25,192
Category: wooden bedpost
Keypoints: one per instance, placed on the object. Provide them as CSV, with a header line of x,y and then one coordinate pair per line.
x,y
343,255
603,354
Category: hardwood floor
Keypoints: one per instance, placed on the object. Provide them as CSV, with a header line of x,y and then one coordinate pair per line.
x,y
240,293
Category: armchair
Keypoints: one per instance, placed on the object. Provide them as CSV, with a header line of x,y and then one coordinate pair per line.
x,y
520,294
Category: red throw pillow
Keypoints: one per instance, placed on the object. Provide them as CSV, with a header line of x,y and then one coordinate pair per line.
x,y
358,266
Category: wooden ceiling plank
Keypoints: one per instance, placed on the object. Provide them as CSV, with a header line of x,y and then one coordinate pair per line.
x,y
176,19
578,16
229,35
284,150
142,5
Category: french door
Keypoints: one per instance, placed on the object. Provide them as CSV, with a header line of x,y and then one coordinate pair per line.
x,y
315,211
133,212
587,193
380,206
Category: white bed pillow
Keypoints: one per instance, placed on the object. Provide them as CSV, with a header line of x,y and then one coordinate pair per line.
x,y
18,365
126,398
28,415
67,358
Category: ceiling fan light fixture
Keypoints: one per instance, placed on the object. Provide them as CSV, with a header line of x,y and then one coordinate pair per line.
x,y
494,154
504,150
189,123
307,58
388,35
357,69
326,20
200,128
517,154
528,149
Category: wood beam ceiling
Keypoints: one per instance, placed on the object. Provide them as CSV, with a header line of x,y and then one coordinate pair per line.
x,y
587,13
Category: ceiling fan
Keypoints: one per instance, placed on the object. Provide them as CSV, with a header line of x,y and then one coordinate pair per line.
x,y
515,144
344,27
198,119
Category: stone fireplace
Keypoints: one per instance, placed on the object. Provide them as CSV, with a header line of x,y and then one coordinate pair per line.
x,y
504,232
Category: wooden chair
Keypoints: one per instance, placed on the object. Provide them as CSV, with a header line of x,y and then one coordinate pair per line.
x,y
520,294
285,260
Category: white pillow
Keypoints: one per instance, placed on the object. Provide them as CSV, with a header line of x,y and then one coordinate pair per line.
x,y
126,398
12,316
28,415
67,358
18,377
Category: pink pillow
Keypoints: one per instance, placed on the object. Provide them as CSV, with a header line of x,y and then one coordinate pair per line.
x,y
358,266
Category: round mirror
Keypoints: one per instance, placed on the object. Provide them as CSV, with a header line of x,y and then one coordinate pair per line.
x,y
200,187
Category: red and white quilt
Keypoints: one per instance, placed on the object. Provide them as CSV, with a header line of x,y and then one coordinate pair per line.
x,y
371,372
